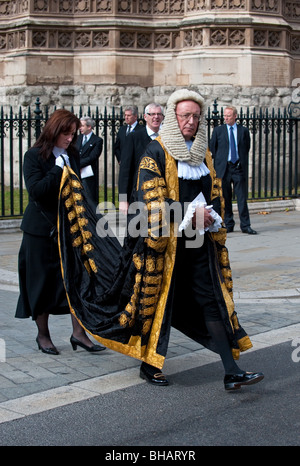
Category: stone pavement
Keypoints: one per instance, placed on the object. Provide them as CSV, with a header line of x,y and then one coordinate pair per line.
x,y
267,295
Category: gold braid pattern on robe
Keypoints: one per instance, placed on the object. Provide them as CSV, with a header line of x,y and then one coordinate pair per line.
x,y
163,248
142,316
225,279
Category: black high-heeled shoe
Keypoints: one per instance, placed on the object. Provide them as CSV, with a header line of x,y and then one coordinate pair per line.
x,y
51,350
92,349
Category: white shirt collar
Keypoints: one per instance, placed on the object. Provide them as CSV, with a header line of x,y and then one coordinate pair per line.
x,y
88,136
234,126
151,133
57,151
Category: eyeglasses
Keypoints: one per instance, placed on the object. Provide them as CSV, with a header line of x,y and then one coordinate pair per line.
x,y
155,114
188,116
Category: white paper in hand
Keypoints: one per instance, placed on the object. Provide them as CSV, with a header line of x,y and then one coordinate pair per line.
x,y
200,201
87,171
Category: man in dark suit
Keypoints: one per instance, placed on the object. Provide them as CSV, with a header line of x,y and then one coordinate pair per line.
x,y
90,148
134,148
230,145
131,124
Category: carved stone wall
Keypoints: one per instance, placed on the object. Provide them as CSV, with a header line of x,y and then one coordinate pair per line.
x,y
113,52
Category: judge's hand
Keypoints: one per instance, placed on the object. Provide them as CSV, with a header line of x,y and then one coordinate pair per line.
x,y
202,218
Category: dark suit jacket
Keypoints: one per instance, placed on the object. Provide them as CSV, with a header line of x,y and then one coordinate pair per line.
x,y
135,145
89,155
120,140
42,180
219,146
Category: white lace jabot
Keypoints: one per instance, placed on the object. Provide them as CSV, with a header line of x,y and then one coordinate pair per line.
x,y
192,172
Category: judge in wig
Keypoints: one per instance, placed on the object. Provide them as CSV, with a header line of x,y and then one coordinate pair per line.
x,y
175,272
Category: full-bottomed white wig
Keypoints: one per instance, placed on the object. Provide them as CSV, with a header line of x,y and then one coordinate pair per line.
x,y
171,135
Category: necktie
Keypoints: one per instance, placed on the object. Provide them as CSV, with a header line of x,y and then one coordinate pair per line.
x,y
84,140
234,157
128,129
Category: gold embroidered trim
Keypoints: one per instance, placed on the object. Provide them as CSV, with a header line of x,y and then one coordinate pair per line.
x,y
127,318
87,266
76,183
154,193
74,228
73,200
148,311
158,244
69,203
93,265
71,215
79,209
66,191
87,248
149,301
82,222
154,183
138,261
167,263
153,280
146,326
147,163
77,242
149,290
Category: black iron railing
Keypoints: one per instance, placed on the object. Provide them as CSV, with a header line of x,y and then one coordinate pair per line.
x,y
273,160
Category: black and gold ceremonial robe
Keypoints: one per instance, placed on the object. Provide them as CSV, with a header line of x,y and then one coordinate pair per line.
x,y
124,296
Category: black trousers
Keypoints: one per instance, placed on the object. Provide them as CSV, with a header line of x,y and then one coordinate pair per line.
x,y
234,178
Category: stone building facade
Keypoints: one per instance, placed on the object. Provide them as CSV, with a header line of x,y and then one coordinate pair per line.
x,y
118,52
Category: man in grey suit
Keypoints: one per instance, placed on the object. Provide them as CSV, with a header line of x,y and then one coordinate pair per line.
x,y
134,148
230,145
131,124
90,148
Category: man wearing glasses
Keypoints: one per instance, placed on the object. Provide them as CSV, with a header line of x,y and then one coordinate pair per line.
x,y
176,270
192,276
134,147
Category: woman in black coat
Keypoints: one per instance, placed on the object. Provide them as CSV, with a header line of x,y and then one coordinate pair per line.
x,y
42,290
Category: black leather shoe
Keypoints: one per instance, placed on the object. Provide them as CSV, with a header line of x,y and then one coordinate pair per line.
x,y
153,375
249,231
91,349
235,381
51,350
230,229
